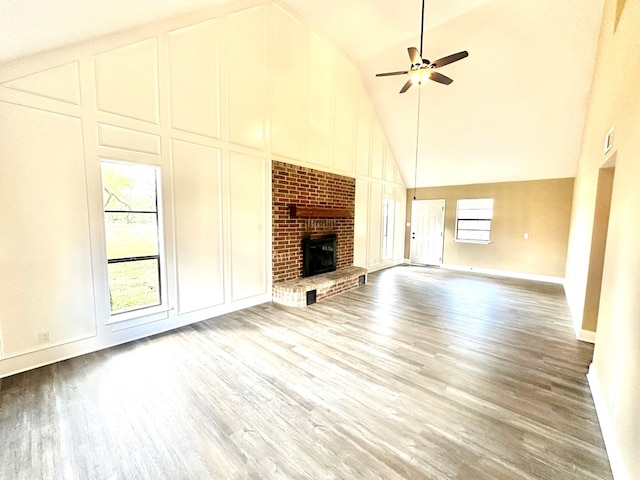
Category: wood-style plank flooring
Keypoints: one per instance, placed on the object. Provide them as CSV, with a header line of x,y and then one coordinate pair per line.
x,y
422,373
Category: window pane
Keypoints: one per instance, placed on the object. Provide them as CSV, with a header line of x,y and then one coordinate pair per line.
x,y
474,219
474,225
475,203
473,235
133,285
128,187
131,234
475,213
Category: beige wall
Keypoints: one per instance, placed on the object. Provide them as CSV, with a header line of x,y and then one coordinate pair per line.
x,y
540,208
614,102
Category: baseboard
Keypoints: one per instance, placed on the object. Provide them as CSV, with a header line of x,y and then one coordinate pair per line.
x,y
616,461
505,273
382,266
587,336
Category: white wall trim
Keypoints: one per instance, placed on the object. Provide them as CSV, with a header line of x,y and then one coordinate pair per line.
x,y
382,266
505,273
606,427
587,336
46,356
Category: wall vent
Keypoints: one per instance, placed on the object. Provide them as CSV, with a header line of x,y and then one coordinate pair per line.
x,y
311,297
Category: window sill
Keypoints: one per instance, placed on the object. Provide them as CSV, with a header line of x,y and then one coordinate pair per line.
x,y
480,242
142,313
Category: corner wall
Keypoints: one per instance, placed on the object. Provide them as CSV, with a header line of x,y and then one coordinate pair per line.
x,y
614,102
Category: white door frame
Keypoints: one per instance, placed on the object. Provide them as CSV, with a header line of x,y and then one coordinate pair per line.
x,y
427,232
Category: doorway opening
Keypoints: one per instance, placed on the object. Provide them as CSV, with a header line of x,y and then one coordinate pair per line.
x,y
604,193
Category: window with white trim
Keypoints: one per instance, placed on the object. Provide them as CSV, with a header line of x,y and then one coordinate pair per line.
x,y
132,222
387,229
473,220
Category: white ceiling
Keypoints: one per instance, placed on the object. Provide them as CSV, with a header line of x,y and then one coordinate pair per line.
x,y
515,110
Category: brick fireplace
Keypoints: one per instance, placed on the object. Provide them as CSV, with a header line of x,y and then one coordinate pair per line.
x,y
307,188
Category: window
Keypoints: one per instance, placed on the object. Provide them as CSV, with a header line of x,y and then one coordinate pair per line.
x,y
473,220
132,219
387,226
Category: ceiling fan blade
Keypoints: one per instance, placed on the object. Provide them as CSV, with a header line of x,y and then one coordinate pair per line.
x,y
406,86
438,77
450,59
388,74
414,55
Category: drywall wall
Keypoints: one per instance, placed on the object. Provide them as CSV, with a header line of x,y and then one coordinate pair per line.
x,y
541,209
614,102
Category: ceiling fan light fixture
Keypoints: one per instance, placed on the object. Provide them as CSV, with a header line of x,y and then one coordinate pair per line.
x,y
421,75
421,69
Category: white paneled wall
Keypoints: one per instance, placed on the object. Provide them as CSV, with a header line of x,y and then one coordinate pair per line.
x,y
45,256
194,78
134,95
288,97
208,98
197,186
319,144
246,77
248,227
344,115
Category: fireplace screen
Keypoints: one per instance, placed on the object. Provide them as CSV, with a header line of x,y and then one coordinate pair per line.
x,y
319,255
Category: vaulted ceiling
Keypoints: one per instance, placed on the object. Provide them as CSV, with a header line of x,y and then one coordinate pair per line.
x,y
515,110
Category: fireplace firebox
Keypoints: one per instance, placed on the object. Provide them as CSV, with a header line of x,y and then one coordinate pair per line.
x,y
319,255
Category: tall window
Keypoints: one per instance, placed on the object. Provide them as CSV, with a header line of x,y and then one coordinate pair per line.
x,y
473,220
387,226
131,219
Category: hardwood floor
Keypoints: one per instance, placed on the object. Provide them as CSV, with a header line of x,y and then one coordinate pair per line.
x,y
422,373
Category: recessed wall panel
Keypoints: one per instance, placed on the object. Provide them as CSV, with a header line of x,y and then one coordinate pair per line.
x,y
194,80
375,223
46,294
399,223
197,190
389,164
127,81
361,219
377,152
59,83
344,115
246,77
287,72
127,139
363,137
320,80
248,230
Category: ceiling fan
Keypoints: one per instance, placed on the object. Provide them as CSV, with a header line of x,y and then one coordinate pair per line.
x,y
421,69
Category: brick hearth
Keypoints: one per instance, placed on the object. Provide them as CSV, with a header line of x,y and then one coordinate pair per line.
x,y
295,185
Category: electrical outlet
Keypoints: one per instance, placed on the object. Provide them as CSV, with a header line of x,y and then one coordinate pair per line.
x,y
44,336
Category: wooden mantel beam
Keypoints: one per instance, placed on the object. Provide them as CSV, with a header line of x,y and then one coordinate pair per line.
x,y
307,211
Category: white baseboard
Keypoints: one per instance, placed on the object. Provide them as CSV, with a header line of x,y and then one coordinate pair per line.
x,y
616,461
505,273
587,336
382,266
